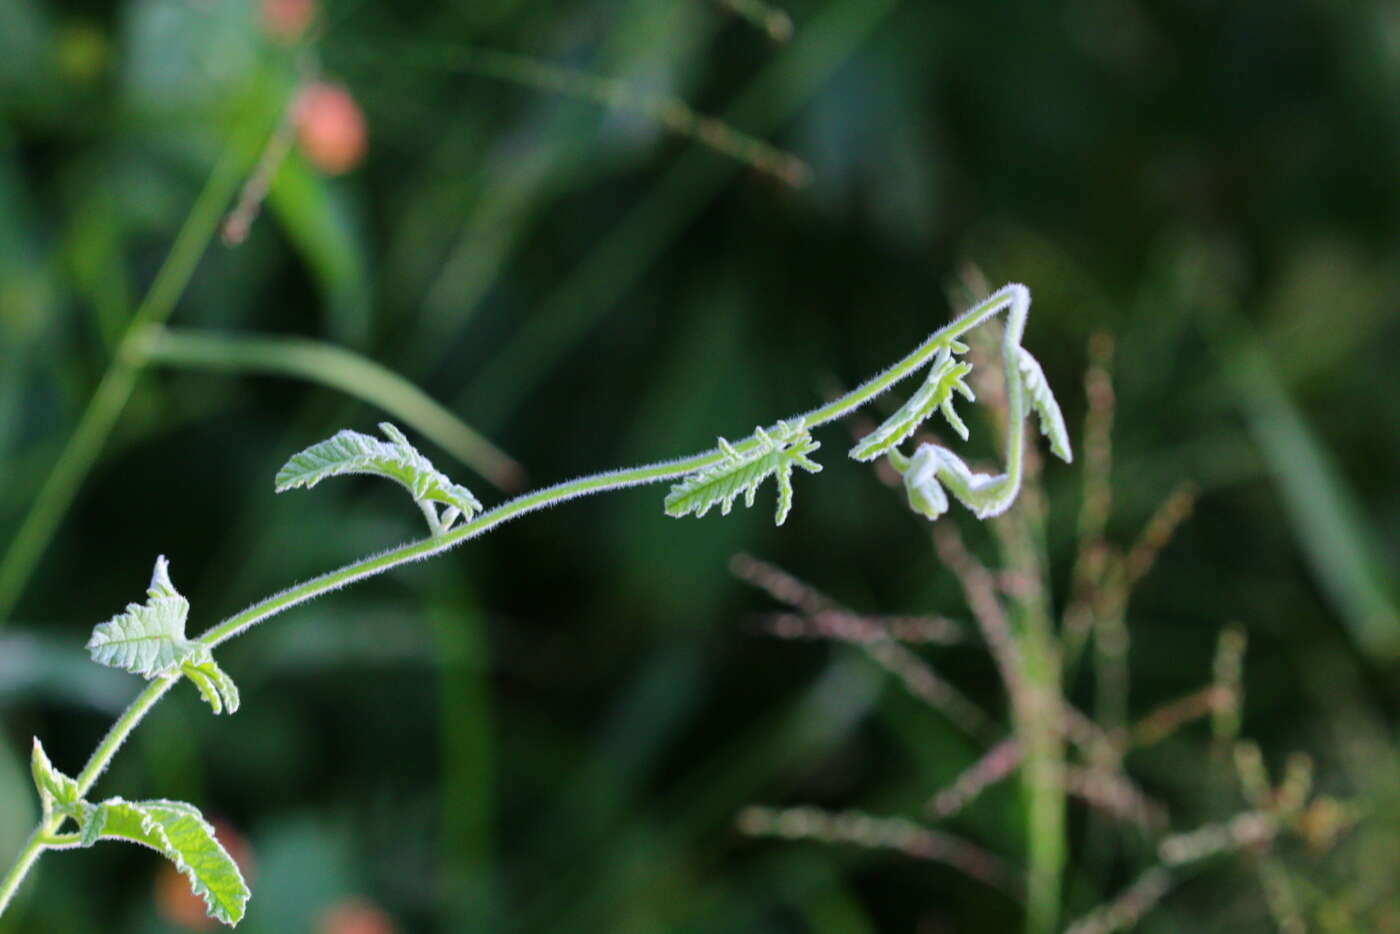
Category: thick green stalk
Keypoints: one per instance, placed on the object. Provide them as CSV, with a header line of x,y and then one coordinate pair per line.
x,y
1038,710
1042,782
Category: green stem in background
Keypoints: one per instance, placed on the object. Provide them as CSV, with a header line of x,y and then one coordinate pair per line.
x,y
1039,723
110,398
1038,709
342,370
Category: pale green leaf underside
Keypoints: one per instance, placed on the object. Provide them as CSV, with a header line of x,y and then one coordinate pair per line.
x,y
350,452
149,638
179,832
945,377
775,455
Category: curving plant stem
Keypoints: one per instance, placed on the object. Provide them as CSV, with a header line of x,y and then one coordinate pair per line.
x,y
1014,297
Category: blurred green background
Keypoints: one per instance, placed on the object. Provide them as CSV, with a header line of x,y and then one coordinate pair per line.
x,y
552,729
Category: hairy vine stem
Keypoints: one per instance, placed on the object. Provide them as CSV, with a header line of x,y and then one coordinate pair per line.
x,y
1012,298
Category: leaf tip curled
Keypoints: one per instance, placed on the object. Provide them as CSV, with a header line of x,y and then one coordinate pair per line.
x,y
925,494
160,585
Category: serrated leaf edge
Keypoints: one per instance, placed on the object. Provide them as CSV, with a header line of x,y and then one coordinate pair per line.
x,y
151,825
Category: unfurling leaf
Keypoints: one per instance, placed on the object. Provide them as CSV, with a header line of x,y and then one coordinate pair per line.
x,y
350,452
1052,423
216,688
179,832
926,495
149,640
936,394
774,455
57,792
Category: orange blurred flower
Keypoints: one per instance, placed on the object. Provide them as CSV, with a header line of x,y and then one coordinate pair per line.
x,y
330,128
354,916
286,20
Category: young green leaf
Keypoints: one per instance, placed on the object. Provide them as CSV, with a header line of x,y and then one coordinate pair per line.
x,y
179,832
350,452
945,377
775,455
149,638
1052,423
57,792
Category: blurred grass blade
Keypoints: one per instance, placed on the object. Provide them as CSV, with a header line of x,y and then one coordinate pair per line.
x,y
1325,514
343,370
773,21
658,219
671,112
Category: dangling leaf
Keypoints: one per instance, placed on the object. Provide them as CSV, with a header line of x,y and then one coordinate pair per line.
x,y
775,455
349,452
1052,423
216,688
179,832
149,638
945,377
